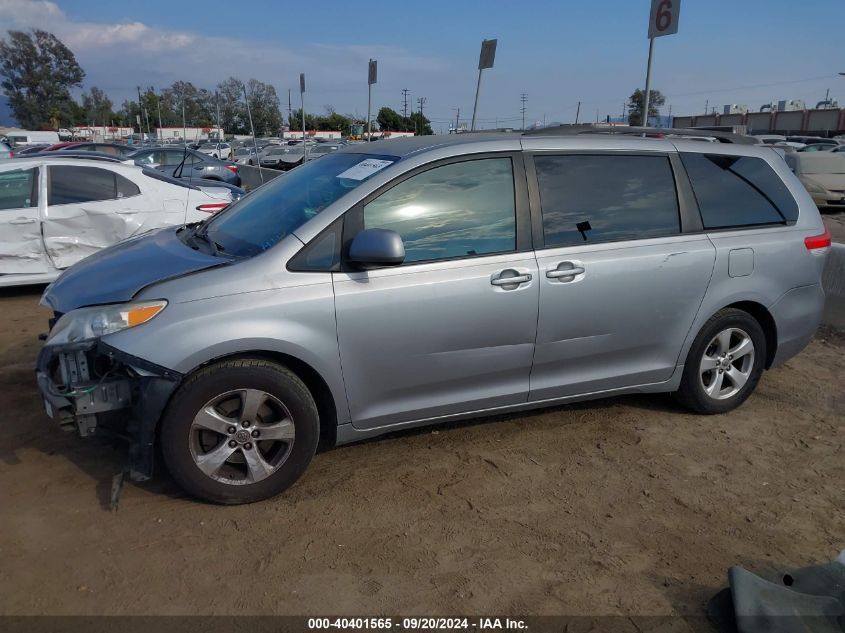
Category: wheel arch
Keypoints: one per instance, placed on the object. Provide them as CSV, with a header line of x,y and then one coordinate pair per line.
x,y
316,384
767,322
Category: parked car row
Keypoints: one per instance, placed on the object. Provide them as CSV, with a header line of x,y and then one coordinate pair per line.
x,y
56,209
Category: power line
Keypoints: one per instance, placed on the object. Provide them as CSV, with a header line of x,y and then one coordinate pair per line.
x,y
774,83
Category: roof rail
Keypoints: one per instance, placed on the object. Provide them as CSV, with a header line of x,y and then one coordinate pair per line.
x,y
75,155
648,132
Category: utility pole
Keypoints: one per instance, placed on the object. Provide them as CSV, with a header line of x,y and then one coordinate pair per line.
x,y
421,101
523,98
405,102
457,119
706,105
577,113
290,110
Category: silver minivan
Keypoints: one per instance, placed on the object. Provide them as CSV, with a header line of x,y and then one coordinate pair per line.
x,y
415,281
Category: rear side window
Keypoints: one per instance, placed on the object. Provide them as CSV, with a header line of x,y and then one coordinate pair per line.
x,y
738,191
71,184
601,198
125,187
19,189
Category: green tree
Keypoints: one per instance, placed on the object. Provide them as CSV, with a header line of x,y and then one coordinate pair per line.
x,y
264,105
296,120
233,115
636,105
97,106
389,119
420,124
37,72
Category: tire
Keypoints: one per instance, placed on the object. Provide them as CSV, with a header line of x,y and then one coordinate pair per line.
x,y
721,388
209,430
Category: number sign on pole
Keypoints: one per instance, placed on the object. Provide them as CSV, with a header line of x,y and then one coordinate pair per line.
x,y
662,20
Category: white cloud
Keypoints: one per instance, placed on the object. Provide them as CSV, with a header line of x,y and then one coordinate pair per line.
x,y
118,57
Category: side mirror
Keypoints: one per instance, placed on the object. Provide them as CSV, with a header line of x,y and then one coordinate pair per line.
x,y
376,247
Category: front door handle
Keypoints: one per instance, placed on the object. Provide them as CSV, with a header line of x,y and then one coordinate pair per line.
x,y
23,221
510,277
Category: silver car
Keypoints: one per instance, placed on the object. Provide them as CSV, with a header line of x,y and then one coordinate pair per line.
x,y
415,281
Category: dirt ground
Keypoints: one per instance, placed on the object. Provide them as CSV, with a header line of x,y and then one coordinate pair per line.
x,y
619,506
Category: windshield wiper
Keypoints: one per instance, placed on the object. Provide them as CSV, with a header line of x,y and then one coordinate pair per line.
x,y
199,234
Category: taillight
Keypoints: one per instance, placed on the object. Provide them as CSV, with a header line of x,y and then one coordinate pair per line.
x,y
213,207
232,168
815,242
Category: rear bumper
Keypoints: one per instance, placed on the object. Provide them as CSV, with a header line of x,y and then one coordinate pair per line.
x,y
91,387
797,315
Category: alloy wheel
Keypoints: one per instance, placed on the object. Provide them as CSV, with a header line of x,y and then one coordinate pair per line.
x,y
727,363
241,436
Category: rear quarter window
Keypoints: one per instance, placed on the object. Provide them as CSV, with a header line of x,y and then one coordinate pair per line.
x,y
736,191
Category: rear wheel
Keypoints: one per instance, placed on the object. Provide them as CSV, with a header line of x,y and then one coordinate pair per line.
x,y
724,363
240,431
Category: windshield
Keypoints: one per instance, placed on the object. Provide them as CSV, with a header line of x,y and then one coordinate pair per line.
x,y
264,217
208,146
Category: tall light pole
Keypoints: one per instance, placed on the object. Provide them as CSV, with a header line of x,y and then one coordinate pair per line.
x,y
662,20
252,131
485,60
302,99
372,77
158,106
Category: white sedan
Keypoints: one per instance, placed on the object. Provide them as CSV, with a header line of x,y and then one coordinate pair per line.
x,y
56,211
219,150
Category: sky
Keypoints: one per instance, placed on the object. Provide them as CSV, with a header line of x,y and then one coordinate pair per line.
x,y
556,52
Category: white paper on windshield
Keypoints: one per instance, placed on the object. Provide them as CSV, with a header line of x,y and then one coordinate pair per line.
x,y
365,169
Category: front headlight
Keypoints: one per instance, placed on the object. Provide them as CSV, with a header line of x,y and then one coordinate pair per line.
x,y
97,321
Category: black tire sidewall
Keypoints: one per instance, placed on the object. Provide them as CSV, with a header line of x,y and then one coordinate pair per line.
x,y
213,381
691,392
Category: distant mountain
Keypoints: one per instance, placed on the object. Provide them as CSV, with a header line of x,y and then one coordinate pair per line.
x,y
7,119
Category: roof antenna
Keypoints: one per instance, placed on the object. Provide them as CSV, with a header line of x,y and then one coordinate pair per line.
x,y
252,129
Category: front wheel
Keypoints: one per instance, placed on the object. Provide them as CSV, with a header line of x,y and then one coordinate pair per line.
x,y
724,363
239,431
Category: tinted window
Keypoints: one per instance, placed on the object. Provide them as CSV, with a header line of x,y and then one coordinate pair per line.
x,y
738,191
18,189
125,187
451,211
606,198
69,184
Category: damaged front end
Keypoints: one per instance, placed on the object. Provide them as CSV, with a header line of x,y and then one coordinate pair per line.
x,y
91,387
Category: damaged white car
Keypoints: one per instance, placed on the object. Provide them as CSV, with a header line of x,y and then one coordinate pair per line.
x,y
57,211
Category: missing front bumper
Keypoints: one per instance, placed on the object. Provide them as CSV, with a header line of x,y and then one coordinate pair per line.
x,y
91,387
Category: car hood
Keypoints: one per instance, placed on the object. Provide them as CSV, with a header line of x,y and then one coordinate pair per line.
x,y
835,182
119,272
